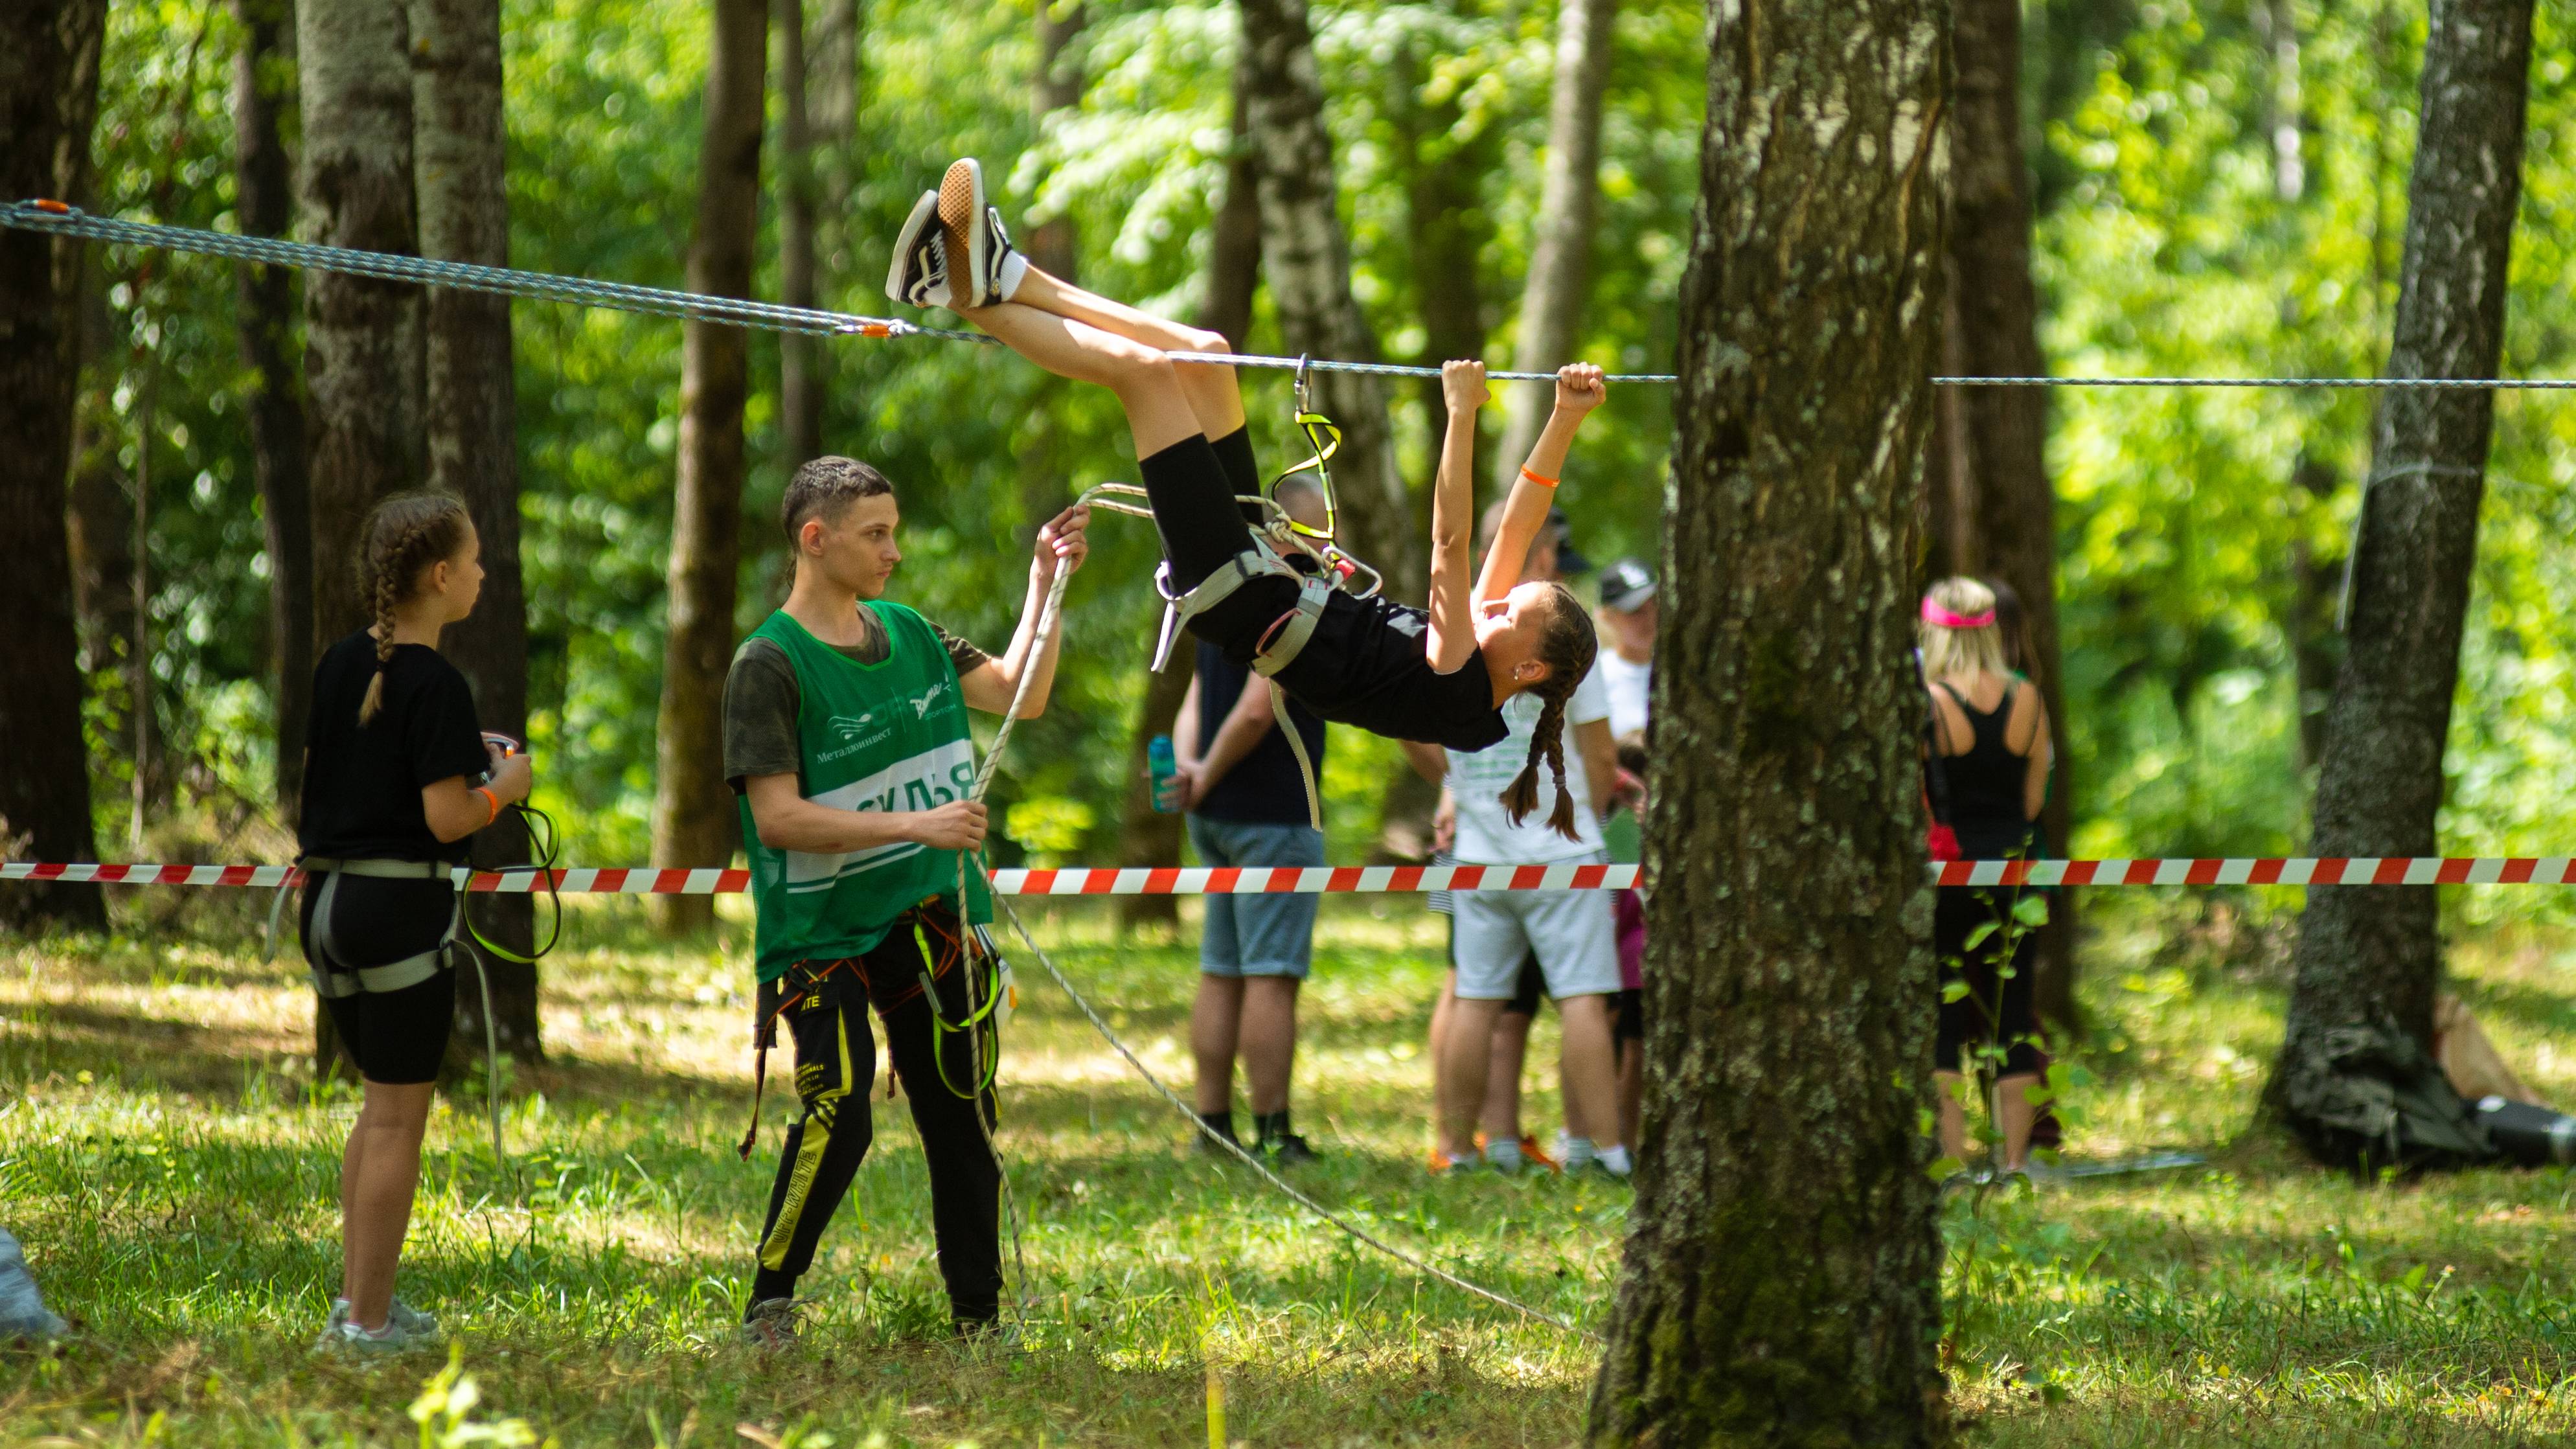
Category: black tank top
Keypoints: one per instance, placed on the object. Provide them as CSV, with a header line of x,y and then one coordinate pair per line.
x,y
1986,782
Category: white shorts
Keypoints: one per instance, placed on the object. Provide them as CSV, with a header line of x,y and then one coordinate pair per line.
x,y
1575,935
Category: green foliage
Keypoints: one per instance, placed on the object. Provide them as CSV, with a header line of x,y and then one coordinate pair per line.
x,y
2201,533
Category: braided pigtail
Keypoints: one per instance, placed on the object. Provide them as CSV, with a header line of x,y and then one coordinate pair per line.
x,y
403,536
1567,645
1547,742
374,703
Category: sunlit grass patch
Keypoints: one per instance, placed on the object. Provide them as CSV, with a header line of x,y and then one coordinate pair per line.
x,y
172,1166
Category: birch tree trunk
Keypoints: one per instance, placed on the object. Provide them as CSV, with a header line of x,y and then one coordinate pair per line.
x,y
1146,836
1568,212
1307,258
473,438
264,192
1780,1283
693,811
2374,956
1056,86
362,339
2000,437
800,358
49,58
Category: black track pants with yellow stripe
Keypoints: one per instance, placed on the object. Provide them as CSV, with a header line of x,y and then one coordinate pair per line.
x,y
835,1068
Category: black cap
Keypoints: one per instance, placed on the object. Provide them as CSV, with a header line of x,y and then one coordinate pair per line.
x,y
1626,584
1569,559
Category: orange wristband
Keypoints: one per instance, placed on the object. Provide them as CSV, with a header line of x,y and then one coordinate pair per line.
x,y
1543,482
495,801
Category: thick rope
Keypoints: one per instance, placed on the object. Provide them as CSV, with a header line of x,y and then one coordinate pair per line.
x,y
54,217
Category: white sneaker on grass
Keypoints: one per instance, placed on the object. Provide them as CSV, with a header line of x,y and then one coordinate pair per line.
x,y
1573,1154
342,1337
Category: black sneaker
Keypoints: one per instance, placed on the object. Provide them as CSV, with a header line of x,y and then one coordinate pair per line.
x,y
919,274
962,223
1005,265
1287,1149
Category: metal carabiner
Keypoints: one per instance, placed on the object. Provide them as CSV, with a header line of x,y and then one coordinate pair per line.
x,y
1302,394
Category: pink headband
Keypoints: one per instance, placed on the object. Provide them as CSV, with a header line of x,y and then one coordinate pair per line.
x,y
1934,614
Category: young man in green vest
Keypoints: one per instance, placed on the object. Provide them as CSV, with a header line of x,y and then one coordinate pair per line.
x,y
846,736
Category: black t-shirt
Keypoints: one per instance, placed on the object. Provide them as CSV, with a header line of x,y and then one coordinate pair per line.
x,y
761,698
1364,666
1265,786
362,783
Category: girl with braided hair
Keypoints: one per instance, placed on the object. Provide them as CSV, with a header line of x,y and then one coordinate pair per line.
x,y
397,773
1439,675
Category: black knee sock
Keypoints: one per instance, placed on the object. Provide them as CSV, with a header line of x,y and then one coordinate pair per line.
x,y
1234,453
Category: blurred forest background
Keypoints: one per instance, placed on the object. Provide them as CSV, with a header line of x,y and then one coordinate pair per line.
x,y
2220,189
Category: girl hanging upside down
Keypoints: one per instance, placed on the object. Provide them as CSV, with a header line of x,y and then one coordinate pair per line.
x,y
1439,675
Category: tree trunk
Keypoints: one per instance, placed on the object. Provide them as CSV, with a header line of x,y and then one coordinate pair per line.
x,y
693,812
2373,956
473,437
362,344
2002,432
1147,836
1780,1283
1056,86
1308,261
800,358
263,184
49,56
1569,200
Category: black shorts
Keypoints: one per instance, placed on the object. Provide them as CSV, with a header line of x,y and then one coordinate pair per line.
x,y
1630,1022
395,1037
1529,990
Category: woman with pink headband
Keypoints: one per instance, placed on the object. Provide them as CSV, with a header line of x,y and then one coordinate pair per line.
x,y
1987,759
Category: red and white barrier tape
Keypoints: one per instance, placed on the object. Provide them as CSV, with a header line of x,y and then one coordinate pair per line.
x,y
1379,879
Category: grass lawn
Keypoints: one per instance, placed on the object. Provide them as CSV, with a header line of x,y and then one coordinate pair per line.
x,y
172,1168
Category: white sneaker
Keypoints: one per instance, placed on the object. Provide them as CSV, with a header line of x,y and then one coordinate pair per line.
x,y
919,274
962,221
1573,1154
342,1337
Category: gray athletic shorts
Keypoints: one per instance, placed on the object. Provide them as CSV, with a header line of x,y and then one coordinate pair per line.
x,y
1257,934
1574,933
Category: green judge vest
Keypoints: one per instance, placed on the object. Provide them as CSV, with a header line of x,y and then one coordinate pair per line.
x,y
888,736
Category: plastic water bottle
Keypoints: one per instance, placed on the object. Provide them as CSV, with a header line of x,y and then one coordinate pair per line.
x,y
1160,766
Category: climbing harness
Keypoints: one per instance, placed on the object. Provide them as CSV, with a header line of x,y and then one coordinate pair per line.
x,y
1048,615
545,844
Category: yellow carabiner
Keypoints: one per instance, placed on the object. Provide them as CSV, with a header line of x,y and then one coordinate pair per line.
x,y
1324,436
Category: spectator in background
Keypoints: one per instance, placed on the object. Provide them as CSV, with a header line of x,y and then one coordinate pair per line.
x,y
1628,615
1990,743
1246,798
1571,936
2012,622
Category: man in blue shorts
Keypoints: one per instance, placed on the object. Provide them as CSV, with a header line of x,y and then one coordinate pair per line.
x,y
1246,799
